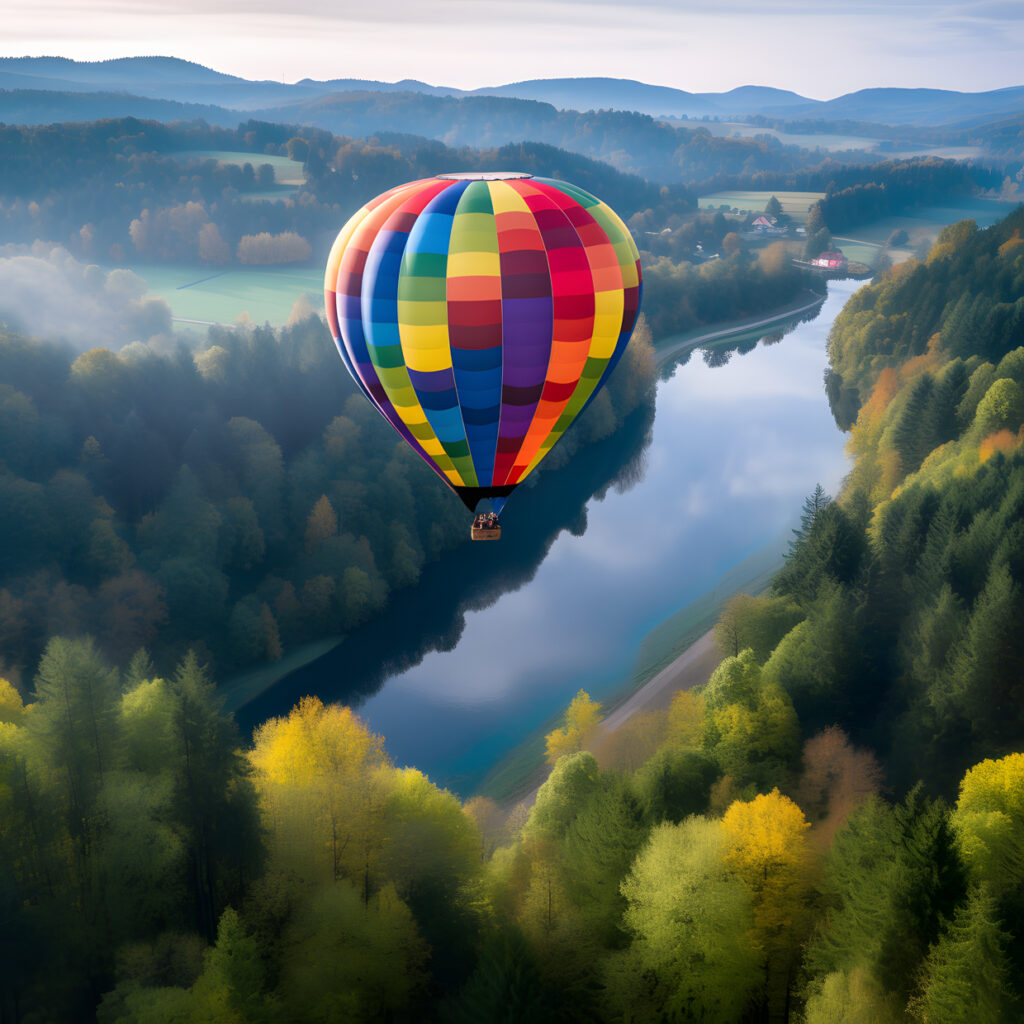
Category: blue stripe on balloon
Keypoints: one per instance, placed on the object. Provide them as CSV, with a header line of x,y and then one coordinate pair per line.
x,y
435,390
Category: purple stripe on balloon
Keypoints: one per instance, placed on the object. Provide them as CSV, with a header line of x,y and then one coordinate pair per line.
x,y
527,325
515,419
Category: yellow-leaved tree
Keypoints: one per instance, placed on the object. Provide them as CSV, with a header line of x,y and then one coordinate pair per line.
x,y
989,822
11,706
322,780
686,719
766,845
581,721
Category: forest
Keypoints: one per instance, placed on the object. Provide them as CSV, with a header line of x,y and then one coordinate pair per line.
x,y
830,830
239,500
117,192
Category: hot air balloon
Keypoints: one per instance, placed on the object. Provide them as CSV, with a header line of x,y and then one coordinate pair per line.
x,y
480,314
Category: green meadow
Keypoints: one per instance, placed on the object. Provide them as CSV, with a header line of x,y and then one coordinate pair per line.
x,y
795,204
286,171
208,295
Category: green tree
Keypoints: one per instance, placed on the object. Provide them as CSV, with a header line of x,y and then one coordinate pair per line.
x,y
674,783
346,959
989,822
232,985
572,781
599,846
690,920
212,797
967,974
892,877
506,986
755,622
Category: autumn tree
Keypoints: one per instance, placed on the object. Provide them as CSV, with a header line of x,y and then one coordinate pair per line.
x,y
685,725
766,845
317,773
265,248
213,248
581,721
632,743
837,778
321,524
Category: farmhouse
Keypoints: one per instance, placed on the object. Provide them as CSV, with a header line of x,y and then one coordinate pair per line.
x,y
766,224
830,260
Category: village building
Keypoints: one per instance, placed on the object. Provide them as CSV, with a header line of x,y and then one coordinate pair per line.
x,y
765,224
834,260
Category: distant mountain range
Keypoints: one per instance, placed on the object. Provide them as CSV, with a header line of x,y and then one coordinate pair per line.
x,y
183,82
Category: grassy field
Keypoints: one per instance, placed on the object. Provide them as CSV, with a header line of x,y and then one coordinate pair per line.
x,y
208,295
922,226
286,171
832,143
862,252
795,204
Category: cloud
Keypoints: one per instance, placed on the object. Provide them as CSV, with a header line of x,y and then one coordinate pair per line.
x,y
46,293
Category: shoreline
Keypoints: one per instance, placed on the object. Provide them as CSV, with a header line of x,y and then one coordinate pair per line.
x,y
688,660
677,344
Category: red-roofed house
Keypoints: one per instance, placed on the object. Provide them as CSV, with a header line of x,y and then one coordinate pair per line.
x,y
830,260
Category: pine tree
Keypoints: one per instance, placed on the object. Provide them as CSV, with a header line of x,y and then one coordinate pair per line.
x,y
812,506
967,973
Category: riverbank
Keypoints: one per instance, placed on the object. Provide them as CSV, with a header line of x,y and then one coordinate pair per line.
x,y
239,690
677,654
678,344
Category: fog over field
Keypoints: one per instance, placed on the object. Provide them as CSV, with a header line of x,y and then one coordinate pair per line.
x,y
46,292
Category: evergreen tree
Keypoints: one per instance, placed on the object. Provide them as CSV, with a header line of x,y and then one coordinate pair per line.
x,y
967,974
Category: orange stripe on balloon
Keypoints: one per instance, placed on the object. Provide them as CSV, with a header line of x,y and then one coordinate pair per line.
x,y
569,343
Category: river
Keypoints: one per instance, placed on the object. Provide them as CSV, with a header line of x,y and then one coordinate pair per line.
x,y
580,577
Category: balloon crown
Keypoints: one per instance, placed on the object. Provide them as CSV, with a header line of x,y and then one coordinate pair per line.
x,y
484,175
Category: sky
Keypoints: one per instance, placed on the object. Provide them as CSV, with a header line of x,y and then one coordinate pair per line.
x,y
819,48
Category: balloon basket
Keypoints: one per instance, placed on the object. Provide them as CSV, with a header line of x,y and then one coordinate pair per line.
x,y
485,532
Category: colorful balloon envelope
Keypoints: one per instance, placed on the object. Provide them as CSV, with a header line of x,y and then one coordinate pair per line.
x,y
480,314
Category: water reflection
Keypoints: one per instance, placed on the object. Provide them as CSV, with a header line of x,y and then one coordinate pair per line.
x,y
733,451
431,617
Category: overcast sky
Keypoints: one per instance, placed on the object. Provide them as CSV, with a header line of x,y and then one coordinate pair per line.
x,y
820,48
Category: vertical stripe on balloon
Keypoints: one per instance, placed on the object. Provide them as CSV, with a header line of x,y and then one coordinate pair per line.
x,y
572,290
423,326
474,323
527,317
379,312
360,231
